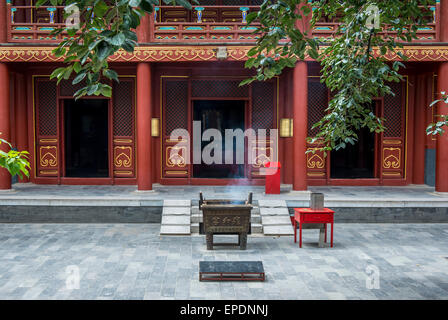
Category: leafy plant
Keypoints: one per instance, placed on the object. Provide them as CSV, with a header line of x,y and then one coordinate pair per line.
x,y
354,64
14,161
96,30
437,128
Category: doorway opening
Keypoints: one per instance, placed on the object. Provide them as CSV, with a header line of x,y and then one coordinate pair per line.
x,y
220,115
86,138
355,161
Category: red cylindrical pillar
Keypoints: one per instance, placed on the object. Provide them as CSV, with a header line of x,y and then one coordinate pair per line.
x,y
3,26
21,119
5,125
143,29
300,124
443,21
418,176
442,141
144,163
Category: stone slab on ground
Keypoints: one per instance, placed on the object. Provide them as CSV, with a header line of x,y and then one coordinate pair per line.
x,y
272,203
176,203
273,211
278,230
276,220
176,210
174,230
176,220
124,261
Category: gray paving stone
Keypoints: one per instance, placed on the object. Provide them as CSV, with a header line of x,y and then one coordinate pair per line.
x,y
272,203
176,211
174,230
175,220
133,262
276,220
177,203
273,212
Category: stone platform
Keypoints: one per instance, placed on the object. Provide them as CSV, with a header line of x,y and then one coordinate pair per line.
x,y
30,203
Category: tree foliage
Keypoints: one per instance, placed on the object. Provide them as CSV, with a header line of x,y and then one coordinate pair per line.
x,y
354,67
14,161
96,30
438,127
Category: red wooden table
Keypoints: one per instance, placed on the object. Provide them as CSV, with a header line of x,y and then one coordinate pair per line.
x,y
307,215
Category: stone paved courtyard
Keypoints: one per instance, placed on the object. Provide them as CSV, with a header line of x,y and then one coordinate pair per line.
x,y
131,261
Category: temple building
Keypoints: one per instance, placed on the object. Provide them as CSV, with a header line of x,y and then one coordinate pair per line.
x,y
188,67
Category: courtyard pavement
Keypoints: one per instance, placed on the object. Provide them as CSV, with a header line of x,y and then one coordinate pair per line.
x,y
405,196
131,261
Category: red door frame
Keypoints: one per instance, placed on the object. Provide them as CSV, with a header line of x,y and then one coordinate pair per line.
x,y
62,179
248,180
379,110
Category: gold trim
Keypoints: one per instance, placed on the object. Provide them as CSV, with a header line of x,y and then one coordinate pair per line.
x,y
392,160
315,174
391,141
314,161
48,140
391,173
52,161
123,140
48,172
176,172
127,161
199,53
122,172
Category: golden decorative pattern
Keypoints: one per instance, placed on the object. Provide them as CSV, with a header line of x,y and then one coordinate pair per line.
x,y
315,174
392,141
48,140
391,158
176,172
262,157
197,53
174,157
314,160
48,172
48,156
122,140
121,157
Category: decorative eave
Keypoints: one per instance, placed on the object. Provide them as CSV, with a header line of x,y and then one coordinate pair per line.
x,y
195,53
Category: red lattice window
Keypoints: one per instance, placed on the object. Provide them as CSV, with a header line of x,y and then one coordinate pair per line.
x,y
218,88
263,94
123,109
176,109
393,111
317,103
47,108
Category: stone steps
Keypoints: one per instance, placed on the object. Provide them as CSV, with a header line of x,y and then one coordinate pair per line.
x,y
176,217
275,218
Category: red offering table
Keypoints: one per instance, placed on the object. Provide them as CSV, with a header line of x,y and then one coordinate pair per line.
x,y
307,215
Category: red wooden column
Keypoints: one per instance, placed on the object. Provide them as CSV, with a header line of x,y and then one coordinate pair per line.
x,y
442,85
21,119
144,163
5,125
143,32
300,124
3,27
442,141
421,104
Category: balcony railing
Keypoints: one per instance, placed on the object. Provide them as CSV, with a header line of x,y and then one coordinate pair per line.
x,y
30,24
169,24
205,24
430,33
